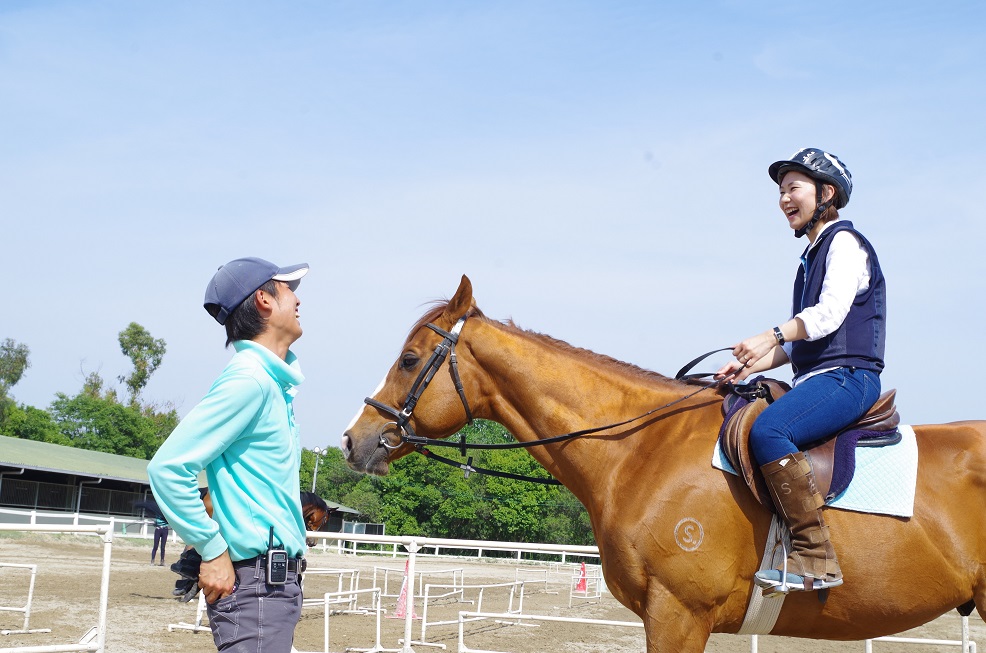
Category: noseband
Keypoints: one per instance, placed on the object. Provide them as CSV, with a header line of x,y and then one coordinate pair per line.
x,y
445,349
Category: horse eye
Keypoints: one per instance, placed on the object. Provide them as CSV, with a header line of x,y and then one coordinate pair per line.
x,y
408,361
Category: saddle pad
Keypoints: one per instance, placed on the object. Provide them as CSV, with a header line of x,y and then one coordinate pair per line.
x,y
884,482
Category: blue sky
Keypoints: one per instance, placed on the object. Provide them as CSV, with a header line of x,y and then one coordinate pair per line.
x,y
598,169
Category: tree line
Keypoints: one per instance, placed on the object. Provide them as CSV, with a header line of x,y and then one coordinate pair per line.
x,y
421,496
96,417
418,497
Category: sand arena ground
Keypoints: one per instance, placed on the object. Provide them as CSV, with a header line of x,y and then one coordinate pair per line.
x,y
141,607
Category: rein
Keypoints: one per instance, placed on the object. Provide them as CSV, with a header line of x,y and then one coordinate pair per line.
x,y
446,349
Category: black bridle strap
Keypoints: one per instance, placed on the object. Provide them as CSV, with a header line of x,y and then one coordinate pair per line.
x,y
683,372
444,348
454,362
419,441
468,468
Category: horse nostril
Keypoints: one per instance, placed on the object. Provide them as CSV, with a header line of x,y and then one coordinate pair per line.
x,y
346,447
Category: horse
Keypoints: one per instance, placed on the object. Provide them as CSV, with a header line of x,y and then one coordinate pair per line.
x,y
315,512
679,540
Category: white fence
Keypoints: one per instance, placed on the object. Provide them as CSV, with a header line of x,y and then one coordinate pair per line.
x,y
95,639
26,608
416,546
121,526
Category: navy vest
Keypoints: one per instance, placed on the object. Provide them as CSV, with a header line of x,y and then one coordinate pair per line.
x,y
861,339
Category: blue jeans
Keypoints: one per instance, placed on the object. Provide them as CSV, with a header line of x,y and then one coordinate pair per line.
x,y
813,410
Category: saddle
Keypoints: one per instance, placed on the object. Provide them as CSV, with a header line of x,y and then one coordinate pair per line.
x,y
833,459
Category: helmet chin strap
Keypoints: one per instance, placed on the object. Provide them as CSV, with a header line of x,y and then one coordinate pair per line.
x,y
820,208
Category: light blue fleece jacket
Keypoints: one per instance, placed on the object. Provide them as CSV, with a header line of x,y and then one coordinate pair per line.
x,y
244,435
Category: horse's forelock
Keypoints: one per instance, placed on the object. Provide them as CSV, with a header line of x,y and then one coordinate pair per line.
x,y
432,314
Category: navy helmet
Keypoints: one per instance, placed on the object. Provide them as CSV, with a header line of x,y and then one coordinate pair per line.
x,y
819,165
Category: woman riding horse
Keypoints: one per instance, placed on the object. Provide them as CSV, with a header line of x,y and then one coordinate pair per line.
x,y
835,343
679,539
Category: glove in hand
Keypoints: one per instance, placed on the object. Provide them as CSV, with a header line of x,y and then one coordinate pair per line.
x,y
187,566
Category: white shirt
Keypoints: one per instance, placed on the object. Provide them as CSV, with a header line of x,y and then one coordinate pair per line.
x,y
847,273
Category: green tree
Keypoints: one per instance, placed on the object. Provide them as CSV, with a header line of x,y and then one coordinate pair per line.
x,y
422,496
15,358
32,423
94,419
146,354
335,479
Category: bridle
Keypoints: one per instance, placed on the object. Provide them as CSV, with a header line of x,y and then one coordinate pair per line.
x,y
446,349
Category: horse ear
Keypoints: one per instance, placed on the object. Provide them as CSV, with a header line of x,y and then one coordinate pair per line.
x,y
461,302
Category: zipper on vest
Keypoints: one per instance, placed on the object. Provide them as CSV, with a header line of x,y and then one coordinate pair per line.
x,y
804,286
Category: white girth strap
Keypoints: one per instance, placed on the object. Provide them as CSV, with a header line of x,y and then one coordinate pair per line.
x,y
762,613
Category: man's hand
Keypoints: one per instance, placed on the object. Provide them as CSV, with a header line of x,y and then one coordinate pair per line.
x,y
217,578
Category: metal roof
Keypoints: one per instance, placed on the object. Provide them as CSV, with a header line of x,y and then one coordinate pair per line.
x,y
48,457
341,508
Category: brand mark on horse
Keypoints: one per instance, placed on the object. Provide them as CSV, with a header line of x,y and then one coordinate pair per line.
x,y
688,533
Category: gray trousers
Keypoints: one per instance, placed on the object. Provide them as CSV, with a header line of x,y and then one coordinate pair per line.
x,y
256,617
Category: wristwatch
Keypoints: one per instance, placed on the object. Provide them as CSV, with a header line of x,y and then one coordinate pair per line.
x,y
779,335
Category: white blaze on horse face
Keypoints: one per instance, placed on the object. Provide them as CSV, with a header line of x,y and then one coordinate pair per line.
x,y
360,411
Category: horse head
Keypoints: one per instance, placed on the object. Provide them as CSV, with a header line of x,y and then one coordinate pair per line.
x,y
400,410
315,512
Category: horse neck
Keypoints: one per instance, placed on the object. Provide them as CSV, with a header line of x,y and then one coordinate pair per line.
x,y
538,388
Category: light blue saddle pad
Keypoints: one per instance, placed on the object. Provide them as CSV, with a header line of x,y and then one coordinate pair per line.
x,y
884,481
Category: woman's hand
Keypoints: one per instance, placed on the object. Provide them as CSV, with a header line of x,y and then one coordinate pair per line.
x,y
753,349
733,371
756,354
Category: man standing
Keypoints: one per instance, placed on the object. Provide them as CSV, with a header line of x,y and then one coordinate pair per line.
x,y
244,436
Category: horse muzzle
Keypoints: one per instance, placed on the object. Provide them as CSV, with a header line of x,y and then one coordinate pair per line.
x,y
368,454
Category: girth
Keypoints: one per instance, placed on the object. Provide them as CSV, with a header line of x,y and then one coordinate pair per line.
x,y
833,459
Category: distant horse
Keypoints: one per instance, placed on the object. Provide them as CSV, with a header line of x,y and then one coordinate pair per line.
x,y
313,508
642,481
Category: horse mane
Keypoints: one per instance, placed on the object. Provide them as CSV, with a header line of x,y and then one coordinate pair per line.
x,y
438,307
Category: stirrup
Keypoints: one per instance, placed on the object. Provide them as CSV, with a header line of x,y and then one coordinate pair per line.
x,y
774,582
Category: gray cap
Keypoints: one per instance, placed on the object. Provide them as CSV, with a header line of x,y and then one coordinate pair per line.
x,y
238,279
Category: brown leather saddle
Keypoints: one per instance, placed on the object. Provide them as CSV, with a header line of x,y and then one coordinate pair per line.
x,y
833,459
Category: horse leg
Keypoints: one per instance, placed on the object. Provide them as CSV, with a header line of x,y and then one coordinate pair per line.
x,y
671,627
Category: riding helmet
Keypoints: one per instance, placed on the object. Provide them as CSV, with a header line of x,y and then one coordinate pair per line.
x,y
819,165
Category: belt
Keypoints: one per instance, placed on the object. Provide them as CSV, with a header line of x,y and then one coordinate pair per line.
x,y
297,565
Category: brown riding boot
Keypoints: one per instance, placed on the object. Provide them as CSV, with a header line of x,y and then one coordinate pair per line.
x,y
812,564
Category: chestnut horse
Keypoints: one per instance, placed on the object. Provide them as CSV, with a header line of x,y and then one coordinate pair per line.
x,y
641,481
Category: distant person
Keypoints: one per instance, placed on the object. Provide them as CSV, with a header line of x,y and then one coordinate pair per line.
x,y
834,341
243,434
161,532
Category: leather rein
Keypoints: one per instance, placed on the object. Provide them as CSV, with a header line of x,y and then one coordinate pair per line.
x,y
446,349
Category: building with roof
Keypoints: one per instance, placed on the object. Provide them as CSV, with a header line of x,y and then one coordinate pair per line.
x,y
40,476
